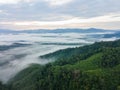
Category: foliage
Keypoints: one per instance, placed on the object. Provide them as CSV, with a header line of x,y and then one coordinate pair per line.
x,y
92,67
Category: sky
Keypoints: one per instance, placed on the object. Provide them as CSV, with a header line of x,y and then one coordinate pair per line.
x,y
54,14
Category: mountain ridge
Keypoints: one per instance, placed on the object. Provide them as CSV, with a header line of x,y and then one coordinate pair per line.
x,y
90,30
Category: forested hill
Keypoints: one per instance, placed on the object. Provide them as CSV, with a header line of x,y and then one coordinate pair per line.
x,y
92,67
80,53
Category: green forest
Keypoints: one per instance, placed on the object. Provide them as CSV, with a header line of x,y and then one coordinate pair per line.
x,y
90,67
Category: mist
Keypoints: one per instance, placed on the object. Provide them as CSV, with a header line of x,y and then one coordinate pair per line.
x,y
16,59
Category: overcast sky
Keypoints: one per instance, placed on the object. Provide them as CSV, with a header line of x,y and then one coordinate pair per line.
x,y
52,14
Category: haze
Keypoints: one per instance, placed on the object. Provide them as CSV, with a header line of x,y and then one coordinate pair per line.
x,y
16,58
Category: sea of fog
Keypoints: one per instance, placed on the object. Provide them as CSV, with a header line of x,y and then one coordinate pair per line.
x,y
13,60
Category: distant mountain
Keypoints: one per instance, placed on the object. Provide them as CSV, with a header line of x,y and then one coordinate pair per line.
x,y
91,30
14,45
116,34
7,31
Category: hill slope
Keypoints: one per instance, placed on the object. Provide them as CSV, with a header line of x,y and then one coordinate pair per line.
x,y
92,67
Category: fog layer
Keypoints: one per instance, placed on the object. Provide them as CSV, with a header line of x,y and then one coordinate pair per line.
x,y
15,59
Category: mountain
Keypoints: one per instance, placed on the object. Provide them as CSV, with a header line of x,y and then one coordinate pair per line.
x,y
7,31
91,67
91,30
116,34
14,45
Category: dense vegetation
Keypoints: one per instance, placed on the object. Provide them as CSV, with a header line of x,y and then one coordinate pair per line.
x,y
92,67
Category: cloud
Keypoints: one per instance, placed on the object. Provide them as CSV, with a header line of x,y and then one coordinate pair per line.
x,y
15,1
9,1
76,22
58,2
2,12
50,2
106,18
20,14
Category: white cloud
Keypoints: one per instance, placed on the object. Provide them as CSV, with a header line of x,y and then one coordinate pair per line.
x,y
100,19
76,22
58,2
15,1
1,11
9,1
50,2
